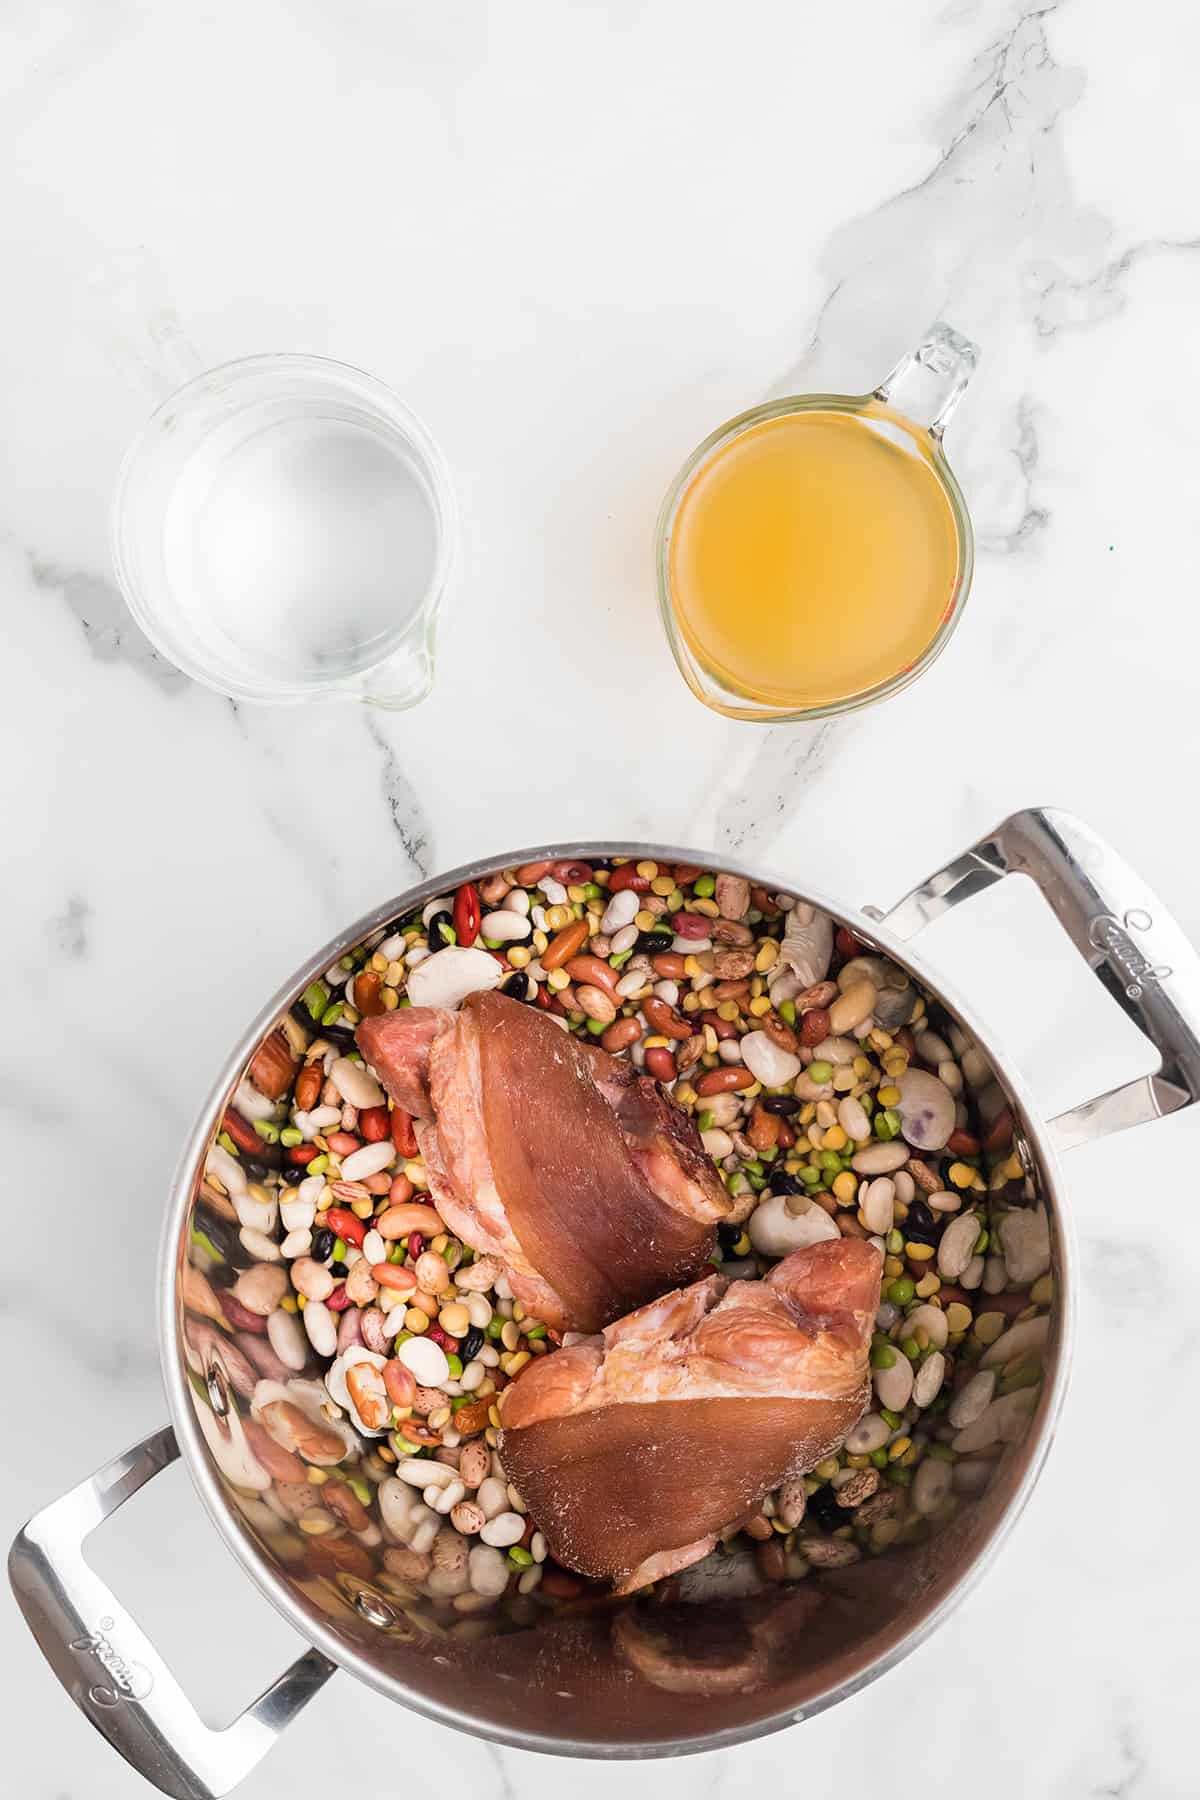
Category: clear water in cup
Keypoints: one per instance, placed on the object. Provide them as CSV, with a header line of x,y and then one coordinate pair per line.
x,y
299,540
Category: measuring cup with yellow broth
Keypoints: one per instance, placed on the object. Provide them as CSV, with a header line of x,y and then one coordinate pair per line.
x,y
815,553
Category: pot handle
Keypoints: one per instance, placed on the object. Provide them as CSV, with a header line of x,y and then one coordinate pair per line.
x,y
108,1665
1123,932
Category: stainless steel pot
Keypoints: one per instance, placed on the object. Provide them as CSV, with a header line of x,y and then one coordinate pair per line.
x,y
564,1685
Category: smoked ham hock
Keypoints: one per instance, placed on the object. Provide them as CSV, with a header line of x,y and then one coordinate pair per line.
x,y
633,1449
586,1181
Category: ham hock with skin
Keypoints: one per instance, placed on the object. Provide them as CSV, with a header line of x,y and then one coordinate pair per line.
x,y
634,1449
578,1173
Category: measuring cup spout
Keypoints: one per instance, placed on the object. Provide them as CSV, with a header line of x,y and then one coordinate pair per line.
x,y
927,384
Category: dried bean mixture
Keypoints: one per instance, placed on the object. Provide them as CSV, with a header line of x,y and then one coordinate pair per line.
x,y
347,1352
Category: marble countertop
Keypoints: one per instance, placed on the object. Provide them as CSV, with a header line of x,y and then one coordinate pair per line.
x,y
575,238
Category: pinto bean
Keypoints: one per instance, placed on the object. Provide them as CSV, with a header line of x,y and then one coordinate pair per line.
x,y
780,1034
475,1463
724,1080
729,931
400,1383
408,1565
733,896
733,965
814,1026
345,1505
664,1019
398,1221
596,1003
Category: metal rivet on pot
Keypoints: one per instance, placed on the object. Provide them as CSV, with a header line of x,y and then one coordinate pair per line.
x,y
218,1389
373,1609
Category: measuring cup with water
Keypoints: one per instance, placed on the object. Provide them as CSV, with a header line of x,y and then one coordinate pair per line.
x,y
284,529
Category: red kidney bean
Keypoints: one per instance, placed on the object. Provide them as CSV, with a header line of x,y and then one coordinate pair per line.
x,y
339,1300
848,945
961,1143
416,1244
467,914
343,1143
559,1583
691,925
244,1134
301,1154
724,1028
545,999
685,873
787,1136
438,1335
593,973
239,1316
726,1080
374,1124
565,944
620,1034
403,1135
529,874
1000,1134
664,1019
367,996
571,874
814,1026
345,1224
661,1064
668,964
764,903
627,877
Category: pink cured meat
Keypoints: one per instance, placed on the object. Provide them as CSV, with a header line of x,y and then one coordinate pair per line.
x,y
635,1448
582,1176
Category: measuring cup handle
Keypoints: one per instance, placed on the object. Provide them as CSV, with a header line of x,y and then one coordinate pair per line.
x,y
927,384
407,675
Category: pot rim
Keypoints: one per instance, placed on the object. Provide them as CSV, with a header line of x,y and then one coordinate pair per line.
x,y
308,1624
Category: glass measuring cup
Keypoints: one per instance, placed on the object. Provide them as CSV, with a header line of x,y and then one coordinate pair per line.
x,y
284,529
758,561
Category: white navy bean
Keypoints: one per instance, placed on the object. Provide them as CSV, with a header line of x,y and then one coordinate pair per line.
x,y
356,1084
620,912
296,1243
298,1214
488,1571
492,1497
285,1334
373,1248
255,1215
321,1327
372,1159
449,1498
227,1170
505,1529
421,1474
505,927
259,1245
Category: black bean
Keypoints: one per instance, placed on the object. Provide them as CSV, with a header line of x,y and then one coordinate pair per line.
x,y
259,1166
340,1036
293,1174
471,1345
519,986
440,931
322,1244
785,1104
654,943
782,1183
338,1270
921,1226
824,1510
728,1235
